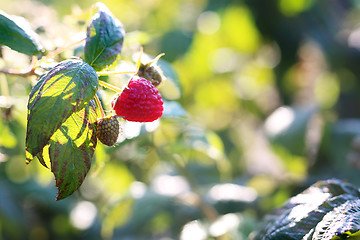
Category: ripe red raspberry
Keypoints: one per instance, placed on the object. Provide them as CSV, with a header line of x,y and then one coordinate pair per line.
x,y
139,102
107,130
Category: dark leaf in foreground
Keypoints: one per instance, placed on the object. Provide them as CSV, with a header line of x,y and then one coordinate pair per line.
x,y
328,210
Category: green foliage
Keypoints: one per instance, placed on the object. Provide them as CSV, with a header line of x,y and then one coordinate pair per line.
x,y
16,33
71,149
104,39
64,90
260,97
59,115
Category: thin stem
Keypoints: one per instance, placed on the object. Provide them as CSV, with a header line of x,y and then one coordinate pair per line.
x,y
4,90
109,86
61,49
100,108
113,73
25,72
16,72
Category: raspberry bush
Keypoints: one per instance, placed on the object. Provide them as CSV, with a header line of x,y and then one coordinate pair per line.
x,y
66,117
271,110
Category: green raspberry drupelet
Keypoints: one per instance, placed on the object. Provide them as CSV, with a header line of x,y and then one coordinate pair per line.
x,y
107,130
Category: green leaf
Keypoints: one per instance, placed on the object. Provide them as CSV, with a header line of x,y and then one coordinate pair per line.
x,y
104,39
65,89
326,210
342,221
71,150
16,33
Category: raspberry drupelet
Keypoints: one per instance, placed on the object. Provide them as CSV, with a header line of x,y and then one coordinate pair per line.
x,y
139,102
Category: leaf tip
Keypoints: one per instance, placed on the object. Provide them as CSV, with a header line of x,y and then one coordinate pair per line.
x,y
29,157
59,197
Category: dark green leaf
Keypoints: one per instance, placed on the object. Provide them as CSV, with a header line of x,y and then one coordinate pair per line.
x,y
326,210
342,222
66,89
71,150
104,39
16,33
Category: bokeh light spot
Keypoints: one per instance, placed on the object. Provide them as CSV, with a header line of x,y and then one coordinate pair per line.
x,y
208,22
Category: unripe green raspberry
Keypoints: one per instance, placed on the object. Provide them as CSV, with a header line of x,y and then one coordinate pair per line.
x,y
107,130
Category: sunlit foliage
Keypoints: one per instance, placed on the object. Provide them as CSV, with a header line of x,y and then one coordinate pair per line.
x,y
261,101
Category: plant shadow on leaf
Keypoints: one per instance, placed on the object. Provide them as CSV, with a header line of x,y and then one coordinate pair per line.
x,y
71,151
67,88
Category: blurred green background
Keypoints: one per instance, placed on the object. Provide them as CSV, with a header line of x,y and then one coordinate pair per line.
x,y
262,101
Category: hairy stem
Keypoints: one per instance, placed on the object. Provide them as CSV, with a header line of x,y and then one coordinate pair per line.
x,y
107,73
4,86
61,49
24,72
109,86
99,107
